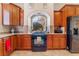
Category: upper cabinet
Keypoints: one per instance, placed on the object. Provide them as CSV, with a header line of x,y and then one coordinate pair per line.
x,y
5,14
15,15
70,10
77,10
11,14
57,18
21,17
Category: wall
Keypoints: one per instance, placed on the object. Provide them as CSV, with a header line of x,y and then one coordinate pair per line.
x,y
0,15
58,6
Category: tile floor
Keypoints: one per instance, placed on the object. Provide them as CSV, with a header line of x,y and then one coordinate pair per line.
x,y
46,53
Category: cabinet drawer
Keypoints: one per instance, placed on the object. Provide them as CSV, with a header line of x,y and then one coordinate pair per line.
x,y
27,36
59,36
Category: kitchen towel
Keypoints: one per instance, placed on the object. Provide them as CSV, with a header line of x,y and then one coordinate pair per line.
x,y
8,45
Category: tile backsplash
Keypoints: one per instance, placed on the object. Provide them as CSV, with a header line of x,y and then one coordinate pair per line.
x,y
19,29
4,29
22,29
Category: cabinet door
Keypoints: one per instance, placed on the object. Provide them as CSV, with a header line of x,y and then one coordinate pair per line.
x,y
13,42
26,43
11,14
62,43
23,42
57,18
11,39
55,43
15,14
29,43
21,17
71,11
1,47
64,18
7,46
77,10
5,14
49,42
18,40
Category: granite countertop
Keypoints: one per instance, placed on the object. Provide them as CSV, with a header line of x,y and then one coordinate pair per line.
x,y
10,34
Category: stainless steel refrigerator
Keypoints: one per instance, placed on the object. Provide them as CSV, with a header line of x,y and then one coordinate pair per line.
x,y
73,33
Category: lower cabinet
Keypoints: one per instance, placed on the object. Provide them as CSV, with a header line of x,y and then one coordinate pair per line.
x,y
23,42
49,41
26,42
7,48
63,42
56,41
13,42
18,41
1,47
9,44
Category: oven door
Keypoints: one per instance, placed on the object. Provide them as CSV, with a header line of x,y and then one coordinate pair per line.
x,y
39,42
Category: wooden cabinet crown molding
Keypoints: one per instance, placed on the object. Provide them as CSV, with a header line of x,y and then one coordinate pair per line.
x,y
75,5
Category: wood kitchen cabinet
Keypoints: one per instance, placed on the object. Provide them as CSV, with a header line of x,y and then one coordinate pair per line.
x,y
59,41
57,18
70,10
15,15
18,40
56,41
67,10
62,42
64,18
11,14
5,14
21,17
26,42
77,10
7,47
23,42
1,47
13,42
49,41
